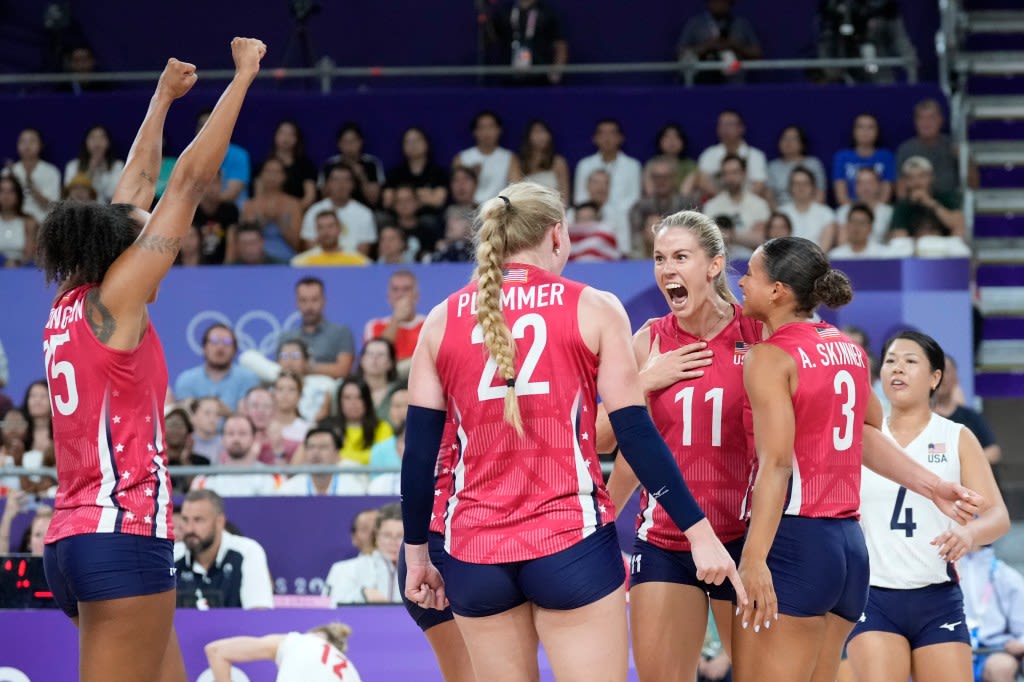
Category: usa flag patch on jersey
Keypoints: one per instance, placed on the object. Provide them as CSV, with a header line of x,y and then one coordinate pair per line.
x,y
515,275
741,348
827,332
936,448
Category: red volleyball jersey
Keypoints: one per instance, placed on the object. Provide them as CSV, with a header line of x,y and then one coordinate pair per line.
x,y
515,498
833,389
701,420
447,455
108,428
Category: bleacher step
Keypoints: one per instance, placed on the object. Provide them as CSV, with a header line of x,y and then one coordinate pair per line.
x,y
1002,63
999,201
995,21
998,153
995,106
1001,300
1001,354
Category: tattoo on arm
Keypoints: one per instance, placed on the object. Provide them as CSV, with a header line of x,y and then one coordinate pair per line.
x,y
153,242
101,320
147,177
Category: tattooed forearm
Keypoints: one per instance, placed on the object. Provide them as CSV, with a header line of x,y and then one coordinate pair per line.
x,y
147,177
100,318
154,242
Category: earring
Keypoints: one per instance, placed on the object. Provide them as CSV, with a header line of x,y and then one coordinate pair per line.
x,y
557,250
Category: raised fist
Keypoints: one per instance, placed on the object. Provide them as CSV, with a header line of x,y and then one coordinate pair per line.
x,y
247,53
177,78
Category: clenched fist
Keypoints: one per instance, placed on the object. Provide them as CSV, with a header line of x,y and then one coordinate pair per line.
x,y
247,53
177,79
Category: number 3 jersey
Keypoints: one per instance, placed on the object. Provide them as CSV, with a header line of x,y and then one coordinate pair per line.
x,y
899,525
701,420
515,498
108,428
833,390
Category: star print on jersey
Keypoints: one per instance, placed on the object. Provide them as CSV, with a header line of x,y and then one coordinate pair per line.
x,y
117,419
130,516
149,446
148,419
601,508
126,475
585,436
149,492
119,447
147,519
437,493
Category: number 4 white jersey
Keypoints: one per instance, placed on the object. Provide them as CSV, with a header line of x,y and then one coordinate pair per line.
x,y
302,657
899,525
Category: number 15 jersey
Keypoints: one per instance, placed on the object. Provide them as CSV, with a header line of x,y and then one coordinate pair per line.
x,y
516,498
108,428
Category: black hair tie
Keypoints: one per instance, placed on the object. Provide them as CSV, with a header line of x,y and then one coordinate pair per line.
x,y
511,383
508,204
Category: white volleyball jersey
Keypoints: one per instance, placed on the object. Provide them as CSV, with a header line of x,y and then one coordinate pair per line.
x,y
307,658
899,525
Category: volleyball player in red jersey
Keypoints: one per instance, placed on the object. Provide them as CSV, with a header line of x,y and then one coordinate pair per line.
x,y
805,561
517,358
700,415
108,555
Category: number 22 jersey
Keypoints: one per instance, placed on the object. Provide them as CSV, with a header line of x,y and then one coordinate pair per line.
x,y
516,498
108,428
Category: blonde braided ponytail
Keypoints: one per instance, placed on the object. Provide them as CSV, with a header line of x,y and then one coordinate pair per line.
x,y
514,221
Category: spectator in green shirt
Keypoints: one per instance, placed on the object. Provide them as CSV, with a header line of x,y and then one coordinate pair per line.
x,y
923,210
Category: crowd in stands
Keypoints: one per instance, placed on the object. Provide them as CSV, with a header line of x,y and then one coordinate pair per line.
x,y
346,210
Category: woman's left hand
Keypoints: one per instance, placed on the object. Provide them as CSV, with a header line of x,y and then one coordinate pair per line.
x,y
955,542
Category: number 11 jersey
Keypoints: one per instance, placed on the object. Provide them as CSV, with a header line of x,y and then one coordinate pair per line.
x,y
516,498
108,428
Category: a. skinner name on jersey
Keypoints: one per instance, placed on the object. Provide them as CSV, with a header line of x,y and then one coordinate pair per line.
x,y
62,316
834,353
518,298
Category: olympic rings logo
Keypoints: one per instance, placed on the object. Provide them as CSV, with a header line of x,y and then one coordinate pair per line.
x,y
13,675
255,330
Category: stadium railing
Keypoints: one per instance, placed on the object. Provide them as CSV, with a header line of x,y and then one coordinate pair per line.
x,y
326,71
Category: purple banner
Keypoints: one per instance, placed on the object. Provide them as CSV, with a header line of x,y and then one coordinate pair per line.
x,y
386,646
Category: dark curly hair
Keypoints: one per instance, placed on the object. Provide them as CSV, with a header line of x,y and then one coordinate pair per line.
x,y
78,241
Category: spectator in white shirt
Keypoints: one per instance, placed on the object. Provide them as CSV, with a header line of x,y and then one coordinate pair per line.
x,y
371,578
859,243
730,131
239,438
39,179
321,447
747,211
96,160
490,161
624,174
810,219
360,228
870,193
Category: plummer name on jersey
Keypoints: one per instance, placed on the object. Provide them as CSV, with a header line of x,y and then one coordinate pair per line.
x,y
518,298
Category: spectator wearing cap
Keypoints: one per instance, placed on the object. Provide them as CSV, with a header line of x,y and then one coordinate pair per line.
x,y
924,209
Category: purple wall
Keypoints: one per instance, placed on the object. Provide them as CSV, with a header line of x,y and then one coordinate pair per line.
x,y
385,646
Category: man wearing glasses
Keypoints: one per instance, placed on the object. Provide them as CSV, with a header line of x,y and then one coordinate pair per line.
x,y
218,376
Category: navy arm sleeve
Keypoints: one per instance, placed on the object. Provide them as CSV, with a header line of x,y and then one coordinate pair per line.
x,y
424,429
646,452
